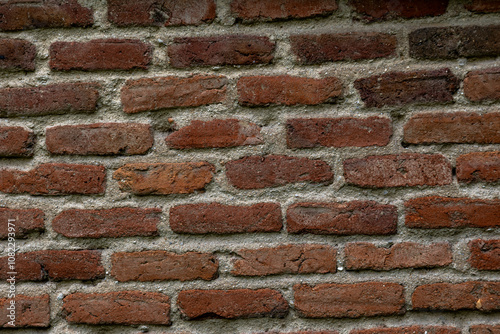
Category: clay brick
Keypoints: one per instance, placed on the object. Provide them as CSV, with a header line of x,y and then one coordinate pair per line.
x,y
455,42
485,329
23,14
164,178
316,49
287,90
372,10
160,12
29,311
409,330
338,132
214,134
54,179
402,170
220,50
481,296
117,308
221,219
483,6
350,218
107,223
364,255
55,265
285,259
232,304
256,172
160,265
100,54
400,88
263,10
99,139
483,85
17,54
16,141
25,222
150,94
479,167
485,254
64,98
349,300
444,212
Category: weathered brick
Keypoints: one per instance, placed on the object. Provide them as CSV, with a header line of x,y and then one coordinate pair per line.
x,y
100,54
221,219
364,255
409,330
349,300
257,172
160,12
64,98
443,212
164,178
483,6
232,304
483,85
117,308
24,14
316,49
338,132
252,10
372,10
160,265
25,221
485,254
214,134
287,90
28,311
455,42
356,217
400,88
107,223
150,94
485,329
479,167
55,265
99,139
220,50
402,170
16,141
17,54
54,179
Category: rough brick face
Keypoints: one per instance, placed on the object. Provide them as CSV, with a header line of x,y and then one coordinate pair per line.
x,y
483,85
17,54
485,329
282,9
25,221
483,6
372,10
485,254
16,141
409,330
29,311
349,300
479,167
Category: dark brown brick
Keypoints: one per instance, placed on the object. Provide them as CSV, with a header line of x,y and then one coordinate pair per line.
x,y
17,54
283,9
483,85
485,254
16,141
479,167
485,329
28,311
409,330
25,221
483,6
372,10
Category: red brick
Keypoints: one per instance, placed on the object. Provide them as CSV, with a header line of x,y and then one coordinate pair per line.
x,y
29,311
117,308
349,300
287,90
483,85
150,94
220,50
372,10
458,127
409,330
100,54
25,221
479,167
485,329
24,14
107,223
16,141
316,49
364,255
300,332
55,265
164,178
483,6
17,54
160,13
402,170
54,179
64,98
257,172
455,42
338,132
100,139
221,219
282,9
215,133
232,304
485,254
400,88
356,217
481,296
160,265
443,212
